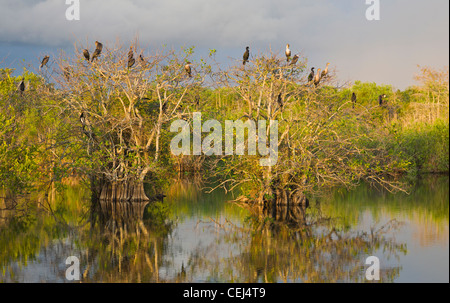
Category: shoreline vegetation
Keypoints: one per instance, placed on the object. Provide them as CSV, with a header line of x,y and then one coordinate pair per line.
x,y
107,123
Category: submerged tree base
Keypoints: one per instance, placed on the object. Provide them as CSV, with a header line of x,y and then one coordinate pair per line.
x,y
123,191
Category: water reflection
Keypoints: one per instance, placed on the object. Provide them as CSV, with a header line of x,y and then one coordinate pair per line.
x,y
193,236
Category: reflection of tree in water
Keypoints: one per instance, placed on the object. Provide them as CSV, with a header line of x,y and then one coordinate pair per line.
x,y
294,244
124,245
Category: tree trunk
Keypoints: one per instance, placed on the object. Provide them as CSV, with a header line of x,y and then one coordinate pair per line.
x,y
123,191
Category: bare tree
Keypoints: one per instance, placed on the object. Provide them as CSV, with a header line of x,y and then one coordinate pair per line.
x,y
121,110
320,138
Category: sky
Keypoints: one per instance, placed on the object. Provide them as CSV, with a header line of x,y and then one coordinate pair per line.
x,y
385,51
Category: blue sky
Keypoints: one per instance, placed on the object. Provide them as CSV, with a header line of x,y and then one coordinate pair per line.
x,y
410,32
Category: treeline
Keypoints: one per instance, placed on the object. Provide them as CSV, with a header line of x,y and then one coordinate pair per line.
x,y
108,124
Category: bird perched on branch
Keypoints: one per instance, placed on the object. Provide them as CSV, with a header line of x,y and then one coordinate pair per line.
x,y
141,59
187,68
311,75
21,86
294,60
130,52
44,61
325,71
317,78
83,119
131,60
288,53
380,99
98,50
246,55
353,99
86,54
280,100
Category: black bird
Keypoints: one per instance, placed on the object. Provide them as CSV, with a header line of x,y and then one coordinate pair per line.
x,y
141,59
187,68
353,100
380,99
294,60
86,54
22,86
83,119
197,100
246,55
98,50
280,100
44,61
311,75
288,53
131,62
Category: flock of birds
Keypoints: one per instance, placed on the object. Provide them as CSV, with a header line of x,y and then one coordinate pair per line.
x,y
313,77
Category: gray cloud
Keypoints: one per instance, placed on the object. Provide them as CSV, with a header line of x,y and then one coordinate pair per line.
x,y
410,31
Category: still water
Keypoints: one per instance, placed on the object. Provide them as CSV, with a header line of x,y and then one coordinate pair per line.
x,y
195,236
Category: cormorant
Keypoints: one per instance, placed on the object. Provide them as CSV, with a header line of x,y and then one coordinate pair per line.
x,y
131,60
325,71
380,99
98,50
187,68
141,58
44,61
130,52
246,55
22,85
294,60
353,99
288,53
311,75
83,119
86,54
317,77
280,100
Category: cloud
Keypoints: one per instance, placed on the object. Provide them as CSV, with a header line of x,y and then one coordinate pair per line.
x,y
410,32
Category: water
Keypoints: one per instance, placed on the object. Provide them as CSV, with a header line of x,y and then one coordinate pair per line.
x,y
194,236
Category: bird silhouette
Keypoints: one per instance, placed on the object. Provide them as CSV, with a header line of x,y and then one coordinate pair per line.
x,y
246,55
311,75
131,59
280,100
380,99
44,61
21,86
98,50
131,62
86,54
